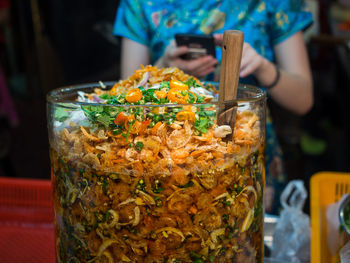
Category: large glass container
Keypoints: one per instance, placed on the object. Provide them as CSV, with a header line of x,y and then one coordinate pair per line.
x,y
189,190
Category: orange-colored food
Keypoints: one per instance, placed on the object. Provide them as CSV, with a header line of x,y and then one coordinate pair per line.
x,y
177,85
133,95
178,96
161,94
148,190
185,116
123,119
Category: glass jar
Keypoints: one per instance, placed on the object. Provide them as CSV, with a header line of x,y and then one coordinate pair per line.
x,y
180,188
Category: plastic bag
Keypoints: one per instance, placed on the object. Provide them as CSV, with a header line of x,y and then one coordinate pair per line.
x,y
291,241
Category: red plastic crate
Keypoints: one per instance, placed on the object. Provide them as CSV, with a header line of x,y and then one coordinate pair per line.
x,y
26,221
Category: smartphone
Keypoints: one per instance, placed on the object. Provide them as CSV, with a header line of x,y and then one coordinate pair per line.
x,y
199,45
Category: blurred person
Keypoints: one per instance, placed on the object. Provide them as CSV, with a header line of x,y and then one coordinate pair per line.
x,y
274,53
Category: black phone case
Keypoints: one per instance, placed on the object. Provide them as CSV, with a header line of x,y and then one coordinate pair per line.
x,y
199,45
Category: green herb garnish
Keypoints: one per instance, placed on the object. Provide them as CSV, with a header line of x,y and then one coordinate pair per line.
x,y
104,186
158,201
107,216
189,184
139,146
203,124
141,185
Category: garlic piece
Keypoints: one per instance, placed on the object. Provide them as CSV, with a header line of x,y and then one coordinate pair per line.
x,y
222,131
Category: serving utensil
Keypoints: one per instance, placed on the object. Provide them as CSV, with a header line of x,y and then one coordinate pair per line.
x,y
232,47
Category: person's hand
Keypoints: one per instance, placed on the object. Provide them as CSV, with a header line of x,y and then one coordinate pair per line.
x,y
218,38
197,67
251,62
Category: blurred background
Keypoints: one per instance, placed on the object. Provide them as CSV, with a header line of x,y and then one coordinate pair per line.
x,y
45,44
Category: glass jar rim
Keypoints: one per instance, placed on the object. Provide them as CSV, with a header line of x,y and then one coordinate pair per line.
x,y
59,96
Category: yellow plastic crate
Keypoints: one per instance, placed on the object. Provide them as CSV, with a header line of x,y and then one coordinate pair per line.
x,y
326,188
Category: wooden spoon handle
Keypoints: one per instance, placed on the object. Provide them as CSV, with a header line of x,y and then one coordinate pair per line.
x,y
232,47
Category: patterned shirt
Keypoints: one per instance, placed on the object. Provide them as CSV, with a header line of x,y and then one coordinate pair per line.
x,y
264,23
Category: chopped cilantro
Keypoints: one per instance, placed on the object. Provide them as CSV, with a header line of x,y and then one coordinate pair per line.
x,y
105,120
191,82
202,124
100,115
105,96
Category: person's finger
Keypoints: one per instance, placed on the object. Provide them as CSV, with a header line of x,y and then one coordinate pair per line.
x,y
204,72
218,38
247,57
177,51
250,68
203,62
197,67
246,46
246,49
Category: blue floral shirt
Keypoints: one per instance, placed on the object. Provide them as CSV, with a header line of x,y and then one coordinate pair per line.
x,y
264,23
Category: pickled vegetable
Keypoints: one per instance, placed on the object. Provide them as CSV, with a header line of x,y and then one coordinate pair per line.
x,y
147,183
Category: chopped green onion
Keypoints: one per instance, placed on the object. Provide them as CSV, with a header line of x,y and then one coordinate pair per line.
x,y
139,146
158,190
107,216
141,185
104,186
189,184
